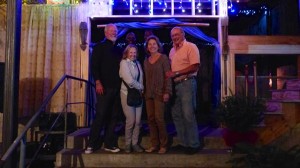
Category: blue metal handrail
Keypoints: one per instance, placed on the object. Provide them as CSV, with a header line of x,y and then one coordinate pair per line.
x,y
22,137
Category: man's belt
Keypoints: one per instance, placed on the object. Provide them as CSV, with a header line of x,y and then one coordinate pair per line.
x,y
184,79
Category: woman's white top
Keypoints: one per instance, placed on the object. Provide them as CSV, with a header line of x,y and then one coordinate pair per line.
x,y
129,73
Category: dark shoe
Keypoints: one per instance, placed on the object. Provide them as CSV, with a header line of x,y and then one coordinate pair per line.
x,y
137,148
191,151
179,148
112,149
127,148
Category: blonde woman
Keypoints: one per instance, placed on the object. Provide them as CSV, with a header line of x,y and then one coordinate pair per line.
x,y
131,73
158,91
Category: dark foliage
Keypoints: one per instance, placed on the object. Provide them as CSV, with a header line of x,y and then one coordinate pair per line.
x,y
248,156
240,113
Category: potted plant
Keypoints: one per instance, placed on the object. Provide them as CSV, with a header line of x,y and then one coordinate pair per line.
x,y
240,114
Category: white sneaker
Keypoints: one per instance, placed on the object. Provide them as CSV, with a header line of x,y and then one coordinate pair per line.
x,y
88,150
112,149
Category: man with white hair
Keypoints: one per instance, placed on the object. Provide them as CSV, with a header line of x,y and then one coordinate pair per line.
x,y
105,63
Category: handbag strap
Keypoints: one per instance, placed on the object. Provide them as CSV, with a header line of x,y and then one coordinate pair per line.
x,y
138,78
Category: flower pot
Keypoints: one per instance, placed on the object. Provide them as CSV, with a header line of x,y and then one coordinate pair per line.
x,y
233,137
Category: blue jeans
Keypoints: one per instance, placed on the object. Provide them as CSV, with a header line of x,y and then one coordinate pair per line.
x,y
183,113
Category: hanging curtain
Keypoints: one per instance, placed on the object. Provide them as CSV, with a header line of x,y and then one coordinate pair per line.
x,y
50,48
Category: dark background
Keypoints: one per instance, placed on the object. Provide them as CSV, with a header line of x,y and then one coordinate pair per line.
x,y
205,74
1,85
281,17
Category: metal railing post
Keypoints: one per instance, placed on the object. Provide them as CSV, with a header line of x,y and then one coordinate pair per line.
x,y
21,139
22,152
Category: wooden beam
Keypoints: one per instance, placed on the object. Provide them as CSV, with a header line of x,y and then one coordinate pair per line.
x,y
168,24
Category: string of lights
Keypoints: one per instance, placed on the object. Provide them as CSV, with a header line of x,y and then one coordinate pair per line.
x,y
141,45
161,7
237,9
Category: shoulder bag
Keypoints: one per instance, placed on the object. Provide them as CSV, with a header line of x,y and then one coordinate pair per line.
x,y
134,96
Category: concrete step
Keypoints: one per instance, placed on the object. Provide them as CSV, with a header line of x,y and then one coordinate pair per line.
x,y
212,138
273,106
203,159
273,113
285,94
293,84
275,126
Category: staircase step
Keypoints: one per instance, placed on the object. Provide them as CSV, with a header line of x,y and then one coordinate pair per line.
x,y
293,84
273,113
291,95
273,106
203,159
212,139
285,94
275,125
263,124
291,111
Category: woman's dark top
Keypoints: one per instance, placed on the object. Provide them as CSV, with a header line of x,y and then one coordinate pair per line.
x,y
156,83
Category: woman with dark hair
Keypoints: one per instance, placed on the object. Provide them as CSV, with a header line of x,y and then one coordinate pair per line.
x,y
158,91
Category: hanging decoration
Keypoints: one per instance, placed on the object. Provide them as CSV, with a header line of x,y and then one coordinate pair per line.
x,y
54,2
162,7
100,7
199,7
181,7
162,4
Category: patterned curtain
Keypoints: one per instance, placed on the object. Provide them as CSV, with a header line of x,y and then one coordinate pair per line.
x,y
50,48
